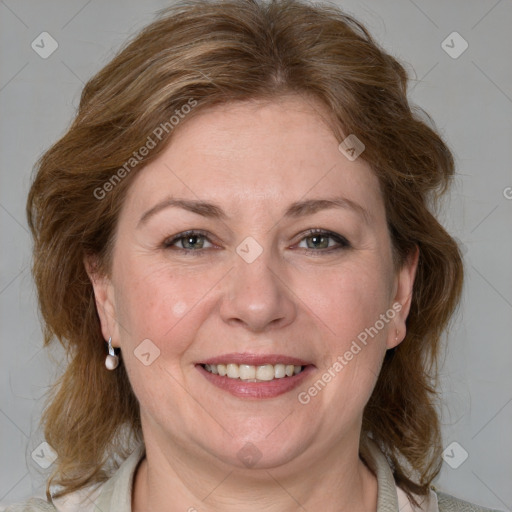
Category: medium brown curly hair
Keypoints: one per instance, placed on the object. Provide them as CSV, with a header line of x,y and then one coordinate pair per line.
x,y
216,52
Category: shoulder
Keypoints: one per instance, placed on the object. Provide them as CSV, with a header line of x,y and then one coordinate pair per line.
x,y
31,505
82,500
448,503
112,494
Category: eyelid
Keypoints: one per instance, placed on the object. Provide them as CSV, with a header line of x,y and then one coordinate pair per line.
x,y
171,240
340,239
342,242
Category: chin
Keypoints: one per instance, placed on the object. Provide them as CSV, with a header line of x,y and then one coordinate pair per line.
x,y
253,451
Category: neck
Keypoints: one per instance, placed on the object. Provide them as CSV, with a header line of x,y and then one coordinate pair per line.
x,y
336,481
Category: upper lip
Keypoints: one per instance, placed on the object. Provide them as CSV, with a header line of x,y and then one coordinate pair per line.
x,y
255,359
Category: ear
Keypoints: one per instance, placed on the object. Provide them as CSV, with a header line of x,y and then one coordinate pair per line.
x,y
404,282
104,297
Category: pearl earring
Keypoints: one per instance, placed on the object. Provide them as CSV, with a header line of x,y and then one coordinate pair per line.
x,y
112,361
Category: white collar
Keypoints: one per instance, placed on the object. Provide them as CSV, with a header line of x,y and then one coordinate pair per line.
x,y
116,493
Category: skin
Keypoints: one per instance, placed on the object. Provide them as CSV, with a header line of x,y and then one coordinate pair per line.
x,y
253,159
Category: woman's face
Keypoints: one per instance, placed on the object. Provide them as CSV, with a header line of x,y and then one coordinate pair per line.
x,y
289,263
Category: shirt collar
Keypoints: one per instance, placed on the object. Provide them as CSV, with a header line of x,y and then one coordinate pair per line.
x,y
116,493
387,498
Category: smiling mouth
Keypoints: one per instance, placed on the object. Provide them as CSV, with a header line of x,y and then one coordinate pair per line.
x,y
253,373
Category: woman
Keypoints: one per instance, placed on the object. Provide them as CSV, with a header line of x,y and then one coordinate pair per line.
x,y
241,209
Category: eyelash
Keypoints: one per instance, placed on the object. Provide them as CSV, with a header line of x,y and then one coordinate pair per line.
x,y
342,242
168,243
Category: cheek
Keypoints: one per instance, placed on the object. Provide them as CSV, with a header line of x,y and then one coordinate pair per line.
x,y
161,304
349,306
349,300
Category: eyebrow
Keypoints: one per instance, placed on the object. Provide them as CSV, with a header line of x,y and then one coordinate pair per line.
x,y
311,206
295,210
200,207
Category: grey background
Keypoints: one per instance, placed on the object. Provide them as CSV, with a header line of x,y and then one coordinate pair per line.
x,y
470,99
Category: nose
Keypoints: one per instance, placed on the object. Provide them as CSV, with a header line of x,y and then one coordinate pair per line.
x,y
257,296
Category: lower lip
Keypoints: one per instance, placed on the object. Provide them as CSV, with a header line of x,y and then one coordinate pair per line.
x,y
264,389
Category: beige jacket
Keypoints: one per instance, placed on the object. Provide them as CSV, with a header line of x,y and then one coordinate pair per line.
x,y
114,495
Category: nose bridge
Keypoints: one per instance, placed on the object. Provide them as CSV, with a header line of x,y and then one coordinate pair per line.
x,y
256,295
257,274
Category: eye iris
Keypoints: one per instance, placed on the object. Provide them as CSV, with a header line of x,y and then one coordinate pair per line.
x,y
318,242
190,241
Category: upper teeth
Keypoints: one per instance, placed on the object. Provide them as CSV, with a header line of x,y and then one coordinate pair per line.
x,y
250,372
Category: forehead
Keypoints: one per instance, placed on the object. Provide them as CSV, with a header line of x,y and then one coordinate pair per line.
x,y
254,155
